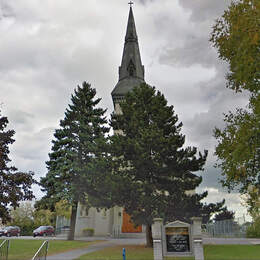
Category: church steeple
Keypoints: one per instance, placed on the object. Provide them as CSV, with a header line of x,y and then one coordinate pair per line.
x,y
131,71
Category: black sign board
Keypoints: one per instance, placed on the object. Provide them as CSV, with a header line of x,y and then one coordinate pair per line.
x,y
177,239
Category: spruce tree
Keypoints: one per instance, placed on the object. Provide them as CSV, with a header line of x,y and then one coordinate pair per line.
x,y
78,160
225,214
14,185
153,170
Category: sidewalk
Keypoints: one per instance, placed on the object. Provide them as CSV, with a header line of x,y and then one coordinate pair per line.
x,y
74,254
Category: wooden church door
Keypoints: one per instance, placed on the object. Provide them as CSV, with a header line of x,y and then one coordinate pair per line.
x,y
128,226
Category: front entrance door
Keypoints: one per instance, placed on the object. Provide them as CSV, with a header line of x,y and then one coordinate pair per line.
x,y
128,226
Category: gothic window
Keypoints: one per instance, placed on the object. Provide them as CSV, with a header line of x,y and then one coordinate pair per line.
x,y
131,68
104,212
84,211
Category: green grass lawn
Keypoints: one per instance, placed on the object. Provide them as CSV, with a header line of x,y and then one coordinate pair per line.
x,y
212,252
115,253
232,252
24,249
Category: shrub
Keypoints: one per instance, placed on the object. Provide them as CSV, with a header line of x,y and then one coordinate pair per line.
x,y
27,230
253,231
89,232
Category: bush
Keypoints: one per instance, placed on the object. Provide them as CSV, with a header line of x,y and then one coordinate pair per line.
x,y
26,227
253,231
89,232
27,230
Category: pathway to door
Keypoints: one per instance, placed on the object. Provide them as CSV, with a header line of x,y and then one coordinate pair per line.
x,y
74,254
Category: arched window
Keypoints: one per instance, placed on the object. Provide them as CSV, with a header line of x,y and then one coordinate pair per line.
x,y
131,68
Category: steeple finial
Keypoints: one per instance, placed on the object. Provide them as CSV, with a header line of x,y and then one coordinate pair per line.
x,y
130,3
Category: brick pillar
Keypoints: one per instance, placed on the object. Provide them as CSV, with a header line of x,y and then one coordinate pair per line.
x,y
197,238
157,239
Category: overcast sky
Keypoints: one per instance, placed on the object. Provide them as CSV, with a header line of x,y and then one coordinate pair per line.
x,y
49,47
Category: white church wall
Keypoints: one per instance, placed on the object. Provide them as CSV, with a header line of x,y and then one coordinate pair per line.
x,y
117,221
84,219
101,221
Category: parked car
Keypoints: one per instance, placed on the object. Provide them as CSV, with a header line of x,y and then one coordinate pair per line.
x,y
10,231
2,230
44,231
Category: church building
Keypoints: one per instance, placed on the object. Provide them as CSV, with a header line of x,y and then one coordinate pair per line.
x,y
115,222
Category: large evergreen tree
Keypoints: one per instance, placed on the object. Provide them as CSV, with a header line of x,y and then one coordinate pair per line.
x,y
78,162
153,170
225,214
14,186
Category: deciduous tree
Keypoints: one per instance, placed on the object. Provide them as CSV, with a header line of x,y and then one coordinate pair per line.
x,y
238,149
63,208
15,186
27,218
236,35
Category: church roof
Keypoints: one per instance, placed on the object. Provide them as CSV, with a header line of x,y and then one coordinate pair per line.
x,y
131,71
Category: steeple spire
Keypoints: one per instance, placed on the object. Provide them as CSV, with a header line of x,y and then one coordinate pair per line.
x,y
131,71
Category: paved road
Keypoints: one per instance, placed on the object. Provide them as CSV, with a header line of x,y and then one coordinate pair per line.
x,y
231,241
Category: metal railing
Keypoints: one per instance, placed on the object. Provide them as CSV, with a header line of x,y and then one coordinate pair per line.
x,y
4,248
62,231
226,228
41,254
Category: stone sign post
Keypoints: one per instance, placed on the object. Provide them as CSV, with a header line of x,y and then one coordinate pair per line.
x,y
157,239
197,238
177,239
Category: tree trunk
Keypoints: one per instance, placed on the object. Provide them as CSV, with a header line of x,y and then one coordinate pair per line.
x,y
73,220
149,237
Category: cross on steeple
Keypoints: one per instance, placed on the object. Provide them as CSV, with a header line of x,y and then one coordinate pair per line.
x,y
130,3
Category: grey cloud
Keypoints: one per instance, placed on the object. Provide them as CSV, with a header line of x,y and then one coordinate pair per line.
x,y
211,176
220,100
204,9
194,46
5,10
144,2
56,56
199,127
37,144
233,199
31,150
196,50
23,120
49,47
